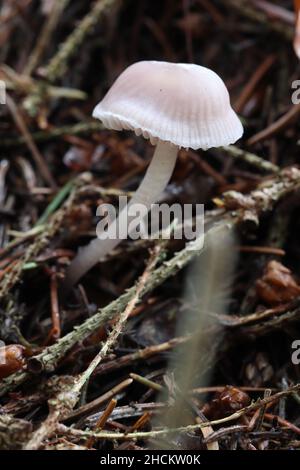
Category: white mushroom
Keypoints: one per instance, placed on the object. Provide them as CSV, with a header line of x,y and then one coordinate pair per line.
x,y
173,105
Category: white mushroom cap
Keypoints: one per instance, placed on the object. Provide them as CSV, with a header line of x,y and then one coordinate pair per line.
x,y
185,104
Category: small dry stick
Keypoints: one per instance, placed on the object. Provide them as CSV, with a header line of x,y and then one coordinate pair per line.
x,y
118,327
282,123
56,329
249,88
283,422
147,383
260,418
232,321
140,355
236,428
266,250
130,411
95,404
142,420
251,158
207,432
44,38
20,123
4,167
102,420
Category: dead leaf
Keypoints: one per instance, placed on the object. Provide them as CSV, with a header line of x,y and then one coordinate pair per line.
x,y
277,285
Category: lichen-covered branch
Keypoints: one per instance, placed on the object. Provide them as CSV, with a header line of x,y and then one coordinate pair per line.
x,y
238,207
251,158
57,66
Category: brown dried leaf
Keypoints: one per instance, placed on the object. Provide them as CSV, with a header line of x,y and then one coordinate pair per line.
x,y
229,400
277,285
12,358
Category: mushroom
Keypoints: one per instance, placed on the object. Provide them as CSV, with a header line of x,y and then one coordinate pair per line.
x,y
173,105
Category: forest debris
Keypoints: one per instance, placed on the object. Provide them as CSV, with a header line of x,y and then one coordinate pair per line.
x,y
41,240
259,371
190,428
249,10
59,405
139,355
256,317
207,432
146,382
55,314
45,35
13,432
38,158
249,88
223,432
4,167
102,420
261,412
275,11
38,95
56,202
12,358
57,66
282,123
230,399
56,132
266,221
260,200
122,412
251,158
277,285
93,405
35,90
272,323
267,250
283,422
65,400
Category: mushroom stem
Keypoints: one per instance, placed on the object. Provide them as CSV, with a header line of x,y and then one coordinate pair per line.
x,y
155,180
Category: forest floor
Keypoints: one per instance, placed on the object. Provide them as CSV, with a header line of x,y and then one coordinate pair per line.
x,y
99,369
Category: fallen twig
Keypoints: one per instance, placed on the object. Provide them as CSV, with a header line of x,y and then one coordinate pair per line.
x,y
56,132
251,158
183,429
45,35
43,168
